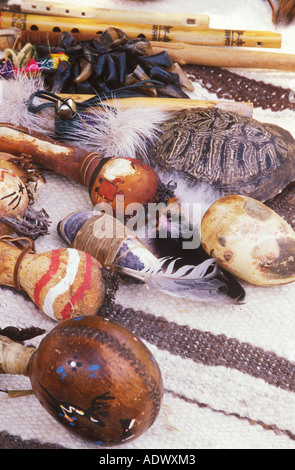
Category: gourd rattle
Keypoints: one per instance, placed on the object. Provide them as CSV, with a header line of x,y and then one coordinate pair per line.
x,y
105,178
93,376
62,282
250,240
16,199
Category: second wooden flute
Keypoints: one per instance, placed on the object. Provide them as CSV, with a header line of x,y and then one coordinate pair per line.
x,y
108,15
152,32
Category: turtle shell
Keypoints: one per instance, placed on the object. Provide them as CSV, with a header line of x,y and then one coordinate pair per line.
x,y
233,153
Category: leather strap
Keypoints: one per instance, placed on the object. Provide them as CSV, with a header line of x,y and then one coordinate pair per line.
x,y
30,248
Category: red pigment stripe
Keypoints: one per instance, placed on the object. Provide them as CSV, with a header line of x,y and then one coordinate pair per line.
x,y
52,270
65,313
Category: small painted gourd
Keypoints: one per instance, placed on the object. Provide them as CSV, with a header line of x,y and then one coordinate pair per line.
x,y
62,283
93,376
249,240
18,183
131,179
14,198
13,194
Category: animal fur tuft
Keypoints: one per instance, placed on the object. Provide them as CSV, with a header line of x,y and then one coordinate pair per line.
x,y
16,94
285,13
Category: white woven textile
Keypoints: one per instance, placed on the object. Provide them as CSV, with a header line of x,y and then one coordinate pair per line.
x,y
205,406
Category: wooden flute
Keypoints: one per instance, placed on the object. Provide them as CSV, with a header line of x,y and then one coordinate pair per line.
x,y
179,52
107,15
152,32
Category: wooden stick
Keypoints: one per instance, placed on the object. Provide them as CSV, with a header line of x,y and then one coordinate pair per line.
x,y
106,15
152,32
18,393
226,57
170,104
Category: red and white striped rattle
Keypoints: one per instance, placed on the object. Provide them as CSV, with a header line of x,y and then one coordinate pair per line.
x,y
63,283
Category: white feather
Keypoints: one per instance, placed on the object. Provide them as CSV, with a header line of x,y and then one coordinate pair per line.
x,y
197,283
14,109
198,193
121,132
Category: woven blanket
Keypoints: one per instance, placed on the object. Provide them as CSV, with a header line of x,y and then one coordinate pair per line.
x,y
228,371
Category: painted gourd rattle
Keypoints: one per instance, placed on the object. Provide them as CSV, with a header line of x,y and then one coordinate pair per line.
x,y
16,199
105,178
62,283
93,376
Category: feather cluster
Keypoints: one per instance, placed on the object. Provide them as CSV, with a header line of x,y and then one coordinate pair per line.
x,y
204,282
285,12
120,132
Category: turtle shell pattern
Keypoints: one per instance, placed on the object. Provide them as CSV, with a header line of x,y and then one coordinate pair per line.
x,y
231,152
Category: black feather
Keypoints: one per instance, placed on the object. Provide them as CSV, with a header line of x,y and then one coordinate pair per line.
x,y
21,334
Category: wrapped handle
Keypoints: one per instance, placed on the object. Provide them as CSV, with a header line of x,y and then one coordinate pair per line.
x,y
14,252
14,357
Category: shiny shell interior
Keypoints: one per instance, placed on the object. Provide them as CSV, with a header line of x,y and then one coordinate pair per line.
x,y
249,240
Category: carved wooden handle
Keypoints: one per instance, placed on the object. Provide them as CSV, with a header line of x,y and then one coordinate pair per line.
x,y
53,155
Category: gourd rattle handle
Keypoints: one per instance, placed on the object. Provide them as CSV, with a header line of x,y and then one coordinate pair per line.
x,y
104,177
14,357
11,257
54,156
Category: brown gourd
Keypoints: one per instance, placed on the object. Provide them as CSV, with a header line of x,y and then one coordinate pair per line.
x,y
93,376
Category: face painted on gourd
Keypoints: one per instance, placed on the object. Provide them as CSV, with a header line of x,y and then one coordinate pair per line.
x,y
13,195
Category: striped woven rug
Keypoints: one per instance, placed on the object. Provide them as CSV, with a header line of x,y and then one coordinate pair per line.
x,y
228,371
